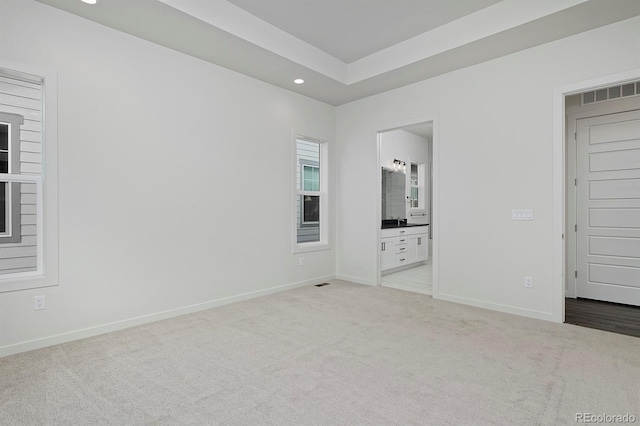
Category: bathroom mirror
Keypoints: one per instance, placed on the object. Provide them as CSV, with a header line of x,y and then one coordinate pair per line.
x,y
394,205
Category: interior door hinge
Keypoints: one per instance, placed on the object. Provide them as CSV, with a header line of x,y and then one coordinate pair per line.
x,y
575,136
575,274
575,228
575,181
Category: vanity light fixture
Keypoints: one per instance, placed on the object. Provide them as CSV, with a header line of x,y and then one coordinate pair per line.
x,y
90,1
298,81
399,165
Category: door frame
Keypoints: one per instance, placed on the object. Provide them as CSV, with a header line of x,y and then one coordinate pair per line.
x,y
415,121
573,115
559,179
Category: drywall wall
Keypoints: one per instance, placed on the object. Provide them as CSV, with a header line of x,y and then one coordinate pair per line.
x,y
492,153
175,180
404,146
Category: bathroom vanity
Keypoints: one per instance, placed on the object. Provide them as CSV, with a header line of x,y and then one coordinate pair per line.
x,y
403,245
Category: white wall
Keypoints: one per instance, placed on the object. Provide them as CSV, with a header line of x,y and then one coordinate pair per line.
x,y
160,204
493,153
404,146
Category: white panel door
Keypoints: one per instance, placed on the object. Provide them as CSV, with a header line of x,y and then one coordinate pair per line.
x,y
608,208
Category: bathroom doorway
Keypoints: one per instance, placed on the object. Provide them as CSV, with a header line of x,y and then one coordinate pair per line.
x,y
406,208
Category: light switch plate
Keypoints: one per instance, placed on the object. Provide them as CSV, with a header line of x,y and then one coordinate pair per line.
x,y
522,214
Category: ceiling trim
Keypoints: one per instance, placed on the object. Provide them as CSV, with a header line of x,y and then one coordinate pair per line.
x,y
234,20
158,22
502,16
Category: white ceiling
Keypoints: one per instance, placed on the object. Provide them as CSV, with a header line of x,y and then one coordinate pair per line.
x,y
352,29
349,49
424,130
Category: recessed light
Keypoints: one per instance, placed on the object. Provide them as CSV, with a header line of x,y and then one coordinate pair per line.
x,y
90,1
298,81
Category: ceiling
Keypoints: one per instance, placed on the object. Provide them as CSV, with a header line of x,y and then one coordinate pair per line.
x,y
423,130
352,29
349,49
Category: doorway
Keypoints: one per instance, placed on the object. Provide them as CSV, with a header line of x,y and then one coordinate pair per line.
x,y
406,206
603,208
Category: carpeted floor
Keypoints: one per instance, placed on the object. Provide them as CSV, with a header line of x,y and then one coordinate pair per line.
x,y
340,354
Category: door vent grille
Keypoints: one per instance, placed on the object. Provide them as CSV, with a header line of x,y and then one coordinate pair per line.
x,y
611,93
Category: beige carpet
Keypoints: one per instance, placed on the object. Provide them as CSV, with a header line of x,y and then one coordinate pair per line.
x,y
341,354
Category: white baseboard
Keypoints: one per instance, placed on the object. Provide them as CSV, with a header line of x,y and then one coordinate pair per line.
x,y
403,268
529,313
356,280
407,288
145,319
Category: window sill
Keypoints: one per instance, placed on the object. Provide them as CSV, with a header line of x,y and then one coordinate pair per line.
x,y
310,247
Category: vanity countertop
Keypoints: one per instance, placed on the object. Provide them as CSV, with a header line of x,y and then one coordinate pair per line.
x,y
403,224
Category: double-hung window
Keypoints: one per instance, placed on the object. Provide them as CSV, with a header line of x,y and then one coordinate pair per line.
x,y
415,185
28,198
310,200
9,165
311,195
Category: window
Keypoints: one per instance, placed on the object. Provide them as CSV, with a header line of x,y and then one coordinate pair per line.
x,y
311,210
310,203
9,164
28,207
416,186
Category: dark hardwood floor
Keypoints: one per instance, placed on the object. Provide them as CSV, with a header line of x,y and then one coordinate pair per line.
x,y
614,317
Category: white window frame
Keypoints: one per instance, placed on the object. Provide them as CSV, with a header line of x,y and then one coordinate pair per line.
x,y
324,194
47,272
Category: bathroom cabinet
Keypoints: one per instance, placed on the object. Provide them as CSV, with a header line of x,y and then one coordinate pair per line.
x,y
403,246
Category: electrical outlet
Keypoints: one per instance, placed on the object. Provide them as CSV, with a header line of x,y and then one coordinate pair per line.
x,y
38,303
301,261
528,282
